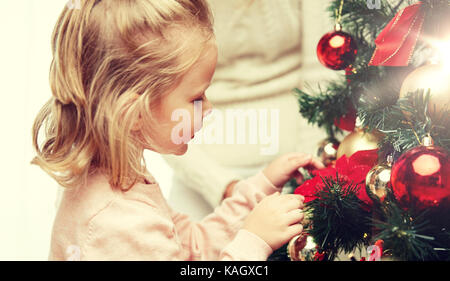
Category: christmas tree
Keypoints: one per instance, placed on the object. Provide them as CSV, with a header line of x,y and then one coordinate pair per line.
x,y
386,188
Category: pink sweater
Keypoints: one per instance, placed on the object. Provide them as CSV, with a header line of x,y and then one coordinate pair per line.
x,y
97,223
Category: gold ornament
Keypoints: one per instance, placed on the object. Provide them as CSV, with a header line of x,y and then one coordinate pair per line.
x,y
306,222
295,246
359,140
328,150
301,248
377,180
433,77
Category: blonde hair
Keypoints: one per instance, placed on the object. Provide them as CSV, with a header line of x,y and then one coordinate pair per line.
x,y
104,53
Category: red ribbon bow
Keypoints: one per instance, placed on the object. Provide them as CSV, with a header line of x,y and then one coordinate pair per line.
x,y
396,42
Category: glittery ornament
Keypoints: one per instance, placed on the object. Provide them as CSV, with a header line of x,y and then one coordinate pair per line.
x,y
301,248
421,177
433,77
358,140
378,179
327,151
336,50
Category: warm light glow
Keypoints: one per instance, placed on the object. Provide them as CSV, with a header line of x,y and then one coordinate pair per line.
x,y
337,41
310,243
426,165
443,49
385,175
442,53
434,79
329,149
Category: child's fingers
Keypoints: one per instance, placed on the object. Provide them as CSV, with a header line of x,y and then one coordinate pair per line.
x,y
299,161
294,230
293,156
317,163
292,202
294,216
273,195
298,197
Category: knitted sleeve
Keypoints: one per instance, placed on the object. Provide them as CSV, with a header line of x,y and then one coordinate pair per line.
x,y
219,236
137,230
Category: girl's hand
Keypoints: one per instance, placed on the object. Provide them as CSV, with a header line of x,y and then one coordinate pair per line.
x,y
276,219
286,167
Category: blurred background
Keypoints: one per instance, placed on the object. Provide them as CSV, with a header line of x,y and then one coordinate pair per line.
x,y
28,196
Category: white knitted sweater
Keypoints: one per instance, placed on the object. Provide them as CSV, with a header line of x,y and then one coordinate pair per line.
x,y
259,64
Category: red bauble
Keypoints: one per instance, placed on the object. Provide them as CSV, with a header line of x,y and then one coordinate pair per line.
x,y
347,121
337,50
421,178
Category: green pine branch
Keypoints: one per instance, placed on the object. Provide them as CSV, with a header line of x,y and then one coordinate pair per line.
x,y
322,107
405,122
383,84
411,235
338,219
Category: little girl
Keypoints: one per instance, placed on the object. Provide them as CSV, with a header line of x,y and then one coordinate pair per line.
x,y
120,70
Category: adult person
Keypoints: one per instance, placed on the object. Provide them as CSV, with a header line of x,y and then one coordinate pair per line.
x,y
259,64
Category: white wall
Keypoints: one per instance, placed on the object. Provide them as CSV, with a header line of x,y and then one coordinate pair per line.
x,y
28,195
27,198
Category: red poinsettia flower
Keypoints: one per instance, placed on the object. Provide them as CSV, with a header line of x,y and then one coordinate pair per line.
x,y
352,171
